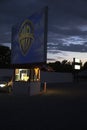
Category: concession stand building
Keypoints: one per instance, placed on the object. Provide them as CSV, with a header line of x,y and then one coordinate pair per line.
x,y
29,50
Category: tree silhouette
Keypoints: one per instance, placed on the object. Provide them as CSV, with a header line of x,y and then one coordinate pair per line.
x,y
85,65
5,56
64,62
63,66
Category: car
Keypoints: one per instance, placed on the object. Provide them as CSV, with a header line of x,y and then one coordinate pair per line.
x,y
6,84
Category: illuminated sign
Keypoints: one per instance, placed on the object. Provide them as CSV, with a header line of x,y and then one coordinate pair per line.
x,y
29,39
76,63
77,67
77,60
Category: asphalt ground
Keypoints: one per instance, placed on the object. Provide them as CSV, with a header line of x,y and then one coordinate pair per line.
x,y
62,106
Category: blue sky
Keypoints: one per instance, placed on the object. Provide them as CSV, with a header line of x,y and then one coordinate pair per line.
x,y
67,25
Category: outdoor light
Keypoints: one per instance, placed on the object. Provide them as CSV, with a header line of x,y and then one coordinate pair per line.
x,y
77,60
2,85
76,63
77,67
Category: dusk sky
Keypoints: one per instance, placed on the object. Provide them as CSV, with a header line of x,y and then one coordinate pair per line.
x,y
67,25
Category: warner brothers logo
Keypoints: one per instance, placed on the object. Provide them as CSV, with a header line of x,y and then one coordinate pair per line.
x,y
26,36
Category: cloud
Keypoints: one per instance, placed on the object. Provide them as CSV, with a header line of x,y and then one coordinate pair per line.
x,y
67,22
5,37
6,44
55,48
51,59
53,51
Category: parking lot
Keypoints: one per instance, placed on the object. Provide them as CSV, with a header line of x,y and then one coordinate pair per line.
x,y
62,106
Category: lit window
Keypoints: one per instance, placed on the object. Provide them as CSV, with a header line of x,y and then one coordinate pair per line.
x,y
21,75
27,74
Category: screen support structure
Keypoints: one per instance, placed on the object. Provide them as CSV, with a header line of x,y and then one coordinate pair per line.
x,y
45,32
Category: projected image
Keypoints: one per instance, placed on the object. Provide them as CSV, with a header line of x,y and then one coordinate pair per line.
x,y
28,40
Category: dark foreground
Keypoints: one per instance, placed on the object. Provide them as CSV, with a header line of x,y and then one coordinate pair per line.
x,y
61,107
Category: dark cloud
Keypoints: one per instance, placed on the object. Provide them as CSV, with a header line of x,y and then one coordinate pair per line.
x,y
55,48
51,59
53,51
73,30
66,19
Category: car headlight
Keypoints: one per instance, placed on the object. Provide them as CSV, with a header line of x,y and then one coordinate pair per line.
x,y
2,85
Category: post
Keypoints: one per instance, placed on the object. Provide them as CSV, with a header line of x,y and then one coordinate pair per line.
x,y
44,87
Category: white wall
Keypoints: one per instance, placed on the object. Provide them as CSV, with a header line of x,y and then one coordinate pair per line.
x,y
55,77
26,88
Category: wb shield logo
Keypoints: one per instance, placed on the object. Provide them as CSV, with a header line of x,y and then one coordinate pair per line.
x,y
26,36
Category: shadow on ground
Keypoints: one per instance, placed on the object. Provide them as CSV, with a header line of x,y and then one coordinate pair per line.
x,y
63,106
